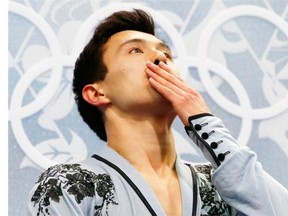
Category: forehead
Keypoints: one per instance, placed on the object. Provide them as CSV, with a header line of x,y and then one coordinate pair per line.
x,y
121,38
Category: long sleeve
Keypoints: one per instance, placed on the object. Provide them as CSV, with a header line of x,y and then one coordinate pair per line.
x,y
238,176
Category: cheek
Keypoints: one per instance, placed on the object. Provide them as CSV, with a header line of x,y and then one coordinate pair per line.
x,y
125,82
131,73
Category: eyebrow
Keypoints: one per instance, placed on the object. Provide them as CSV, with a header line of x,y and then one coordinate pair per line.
x,y
160,44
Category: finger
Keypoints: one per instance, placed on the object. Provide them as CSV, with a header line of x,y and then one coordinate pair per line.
x,y
164,82
162,89
169,70
167,77
163,71
163,66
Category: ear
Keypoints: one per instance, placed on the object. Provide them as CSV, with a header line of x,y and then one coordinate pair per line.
x,y
93,94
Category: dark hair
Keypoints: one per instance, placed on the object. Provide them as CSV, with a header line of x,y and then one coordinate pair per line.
x,y
90,68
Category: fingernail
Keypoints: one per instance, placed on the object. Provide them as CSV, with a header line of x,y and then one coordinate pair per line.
x,y
156,62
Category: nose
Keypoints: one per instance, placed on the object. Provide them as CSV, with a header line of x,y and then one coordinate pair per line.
x,y
159,56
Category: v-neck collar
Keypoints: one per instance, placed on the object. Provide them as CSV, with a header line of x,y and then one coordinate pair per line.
x,y
111,155
185,181
183,172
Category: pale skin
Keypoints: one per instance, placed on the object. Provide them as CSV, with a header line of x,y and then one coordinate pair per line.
x,y
139,101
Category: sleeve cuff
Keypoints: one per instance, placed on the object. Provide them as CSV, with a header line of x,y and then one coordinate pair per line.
x,y
210,135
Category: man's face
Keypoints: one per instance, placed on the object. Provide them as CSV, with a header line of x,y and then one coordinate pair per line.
x,y
126,83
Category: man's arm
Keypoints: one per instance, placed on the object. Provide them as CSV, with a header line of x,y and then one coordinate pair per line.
x,y
238,177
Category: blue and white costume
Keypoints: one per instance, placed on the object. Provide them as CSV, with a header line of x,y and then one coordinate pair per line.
x,y
107,184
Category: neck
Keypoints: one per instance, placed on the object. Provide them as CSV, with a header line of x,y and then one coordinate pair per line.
x,y
147,143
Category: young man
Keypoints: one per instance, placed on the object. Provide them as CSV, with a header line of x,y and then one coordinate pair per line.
x,y
129,92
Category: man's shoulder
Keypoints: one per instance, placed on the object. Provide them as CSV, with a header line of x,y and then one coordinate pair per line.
x,y
73,178
69,172
75,182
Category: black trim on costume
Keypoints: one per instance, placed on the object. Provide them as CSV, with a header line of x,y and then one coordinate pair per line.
x,y
141,196
187,129
198,116
195,189
129,181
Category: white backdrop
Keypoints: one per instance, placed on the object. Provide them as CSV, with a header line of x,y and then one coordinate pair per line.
x,y
234,52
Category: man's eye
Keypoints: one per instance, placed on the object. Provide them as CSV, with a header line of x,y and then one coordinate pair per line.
x,y
135,50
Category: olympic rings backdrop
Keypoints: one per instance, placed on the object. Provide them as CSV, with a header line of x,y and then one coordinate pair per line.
x,y
234,52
